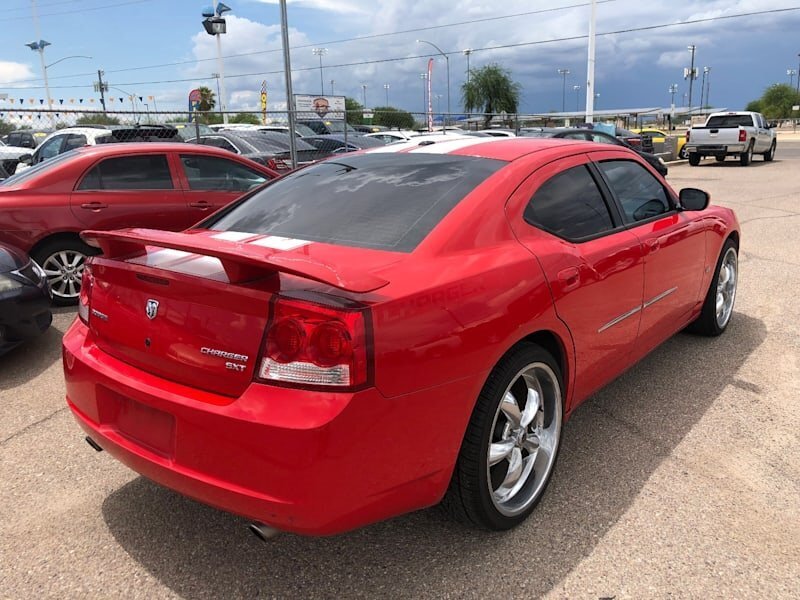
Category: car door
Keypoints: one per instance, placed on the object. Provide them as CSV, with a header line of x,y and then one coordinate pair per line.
x,y
133,190
673,243
211,182
593,265
763,136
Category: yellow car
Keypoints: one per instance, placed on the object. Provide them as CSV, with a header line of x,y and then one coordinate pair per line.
x,y
659,137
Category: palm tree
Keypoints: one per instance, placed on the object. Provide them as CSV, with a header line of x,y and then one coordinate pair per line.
x,y
490,90
208,100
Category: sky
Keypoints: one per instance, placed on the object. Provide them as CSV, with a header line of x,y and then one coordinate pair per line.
x,y
159,48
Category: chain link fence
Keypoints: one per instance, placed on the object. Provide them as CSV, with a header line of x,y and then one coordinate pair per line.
x,y
260,135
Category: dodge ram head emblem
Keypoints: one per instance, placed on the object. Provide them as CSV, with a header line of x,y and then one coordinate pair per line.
x,y
152,309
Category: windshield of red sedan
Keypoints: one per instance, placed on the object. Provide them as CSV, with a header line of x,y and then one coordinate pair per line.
x,y
383,201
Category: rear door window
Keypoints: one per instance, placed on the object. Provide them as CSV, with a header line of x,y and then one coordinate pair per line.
x,y
50,148
219,174
727,121
640,195
379,201
74,141
147,172
570,205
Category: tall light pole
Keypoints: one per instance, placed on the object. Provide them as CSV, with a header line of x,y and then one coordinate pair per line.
x,y
673,89
39,47
287,72
577,89
214,24
386,87
320,52
692,74
798,70
791,73
364,93
447,61
590,93
707,75
703,86
424,77
563,73
467,53
332,82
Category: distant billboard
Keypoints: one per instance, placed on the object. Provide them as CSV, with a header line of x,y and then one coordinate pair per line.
x,y
324,107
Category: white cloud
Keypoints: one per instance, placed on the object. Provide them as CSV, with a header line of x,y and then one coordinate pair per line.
x,y
12,72
336,6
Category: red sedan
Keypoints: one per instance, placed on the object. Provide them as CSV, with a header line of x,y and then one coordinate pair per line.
x,y
109,186
385,331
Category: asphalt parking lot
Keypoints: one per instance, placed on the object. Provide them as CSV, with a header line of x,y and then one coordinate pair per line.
x,y
680,479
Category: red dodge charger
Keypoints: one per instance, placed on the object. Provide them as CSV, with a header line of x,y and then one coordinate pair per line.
x,y
388,330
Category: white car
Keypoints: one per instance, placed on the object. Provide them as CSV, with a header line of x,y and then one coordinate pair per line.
x,y
391,136
10,155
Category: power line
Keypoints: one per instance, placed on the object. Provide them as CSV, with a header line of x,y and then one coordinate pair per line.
x,y
340,41
484,49
82,10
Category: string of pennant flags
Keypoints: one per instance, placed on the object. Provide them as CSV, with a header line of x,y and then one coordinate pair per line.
x,y
61,101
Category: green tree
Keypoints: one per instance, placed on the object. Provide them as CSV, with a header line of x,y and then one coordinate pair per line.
x,y
248,118
355,111
753,106
490,90
388,116
97,120
777,101
208,100
5,127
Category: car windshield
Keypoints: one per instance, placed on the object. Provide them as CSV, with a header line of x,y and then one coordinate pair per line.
x,y
378,201
266,141
36,169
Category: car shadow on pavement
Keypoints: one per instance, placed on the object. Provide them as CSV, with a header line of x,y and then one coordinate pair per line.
x,y
611,447
28,360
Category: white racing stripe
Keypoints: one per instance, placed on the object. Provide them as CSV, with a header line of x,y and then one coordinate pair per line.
x,y
277,242
445,147
232,236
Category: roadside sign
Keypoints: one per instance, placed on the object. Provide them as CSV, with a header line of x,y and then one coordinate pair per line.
x,y
796,107
367,115
194,96
325,107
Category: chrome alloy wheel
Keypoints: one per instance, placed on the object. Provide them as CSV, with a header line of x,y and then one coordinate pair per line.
x,y
726,287
524,439
64,270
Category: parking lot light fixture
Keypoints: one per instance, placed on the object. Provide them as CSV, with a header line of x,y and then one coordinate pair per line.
x,y
577,89
791,73
692,74
332,84
386,87
39,47
215,24
447,65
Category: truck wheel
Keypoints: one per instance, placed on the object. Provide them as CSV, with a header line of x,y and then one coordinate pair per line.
x,y
770,154
746,157
683,154
694,159
720,158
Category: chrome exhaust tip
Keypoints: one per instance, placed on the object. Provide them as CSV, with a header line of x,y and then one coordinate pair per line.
x,y
262,532
93,444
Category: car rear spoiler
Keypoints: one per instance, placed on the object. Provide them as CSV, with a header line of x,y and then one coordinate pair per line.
x,y
242,262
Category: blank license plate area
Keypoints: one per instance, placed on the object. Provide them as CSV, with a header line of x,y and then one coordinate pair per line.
x,y
146,426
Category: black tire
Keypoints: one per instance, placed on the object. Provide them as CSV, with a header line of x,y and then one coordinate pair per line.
x,y
708,323
683,155
694,159
745,158
48,255
769,155
470,497
720,158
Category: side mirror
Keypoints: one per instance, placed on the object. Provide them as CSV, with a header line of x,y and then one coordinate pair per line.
x,y
26,159
693,199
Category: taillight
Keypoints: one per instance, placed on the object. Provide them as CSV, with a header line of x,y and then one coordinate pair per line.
x,y
271,164
313,345
742,135
85,298
635,141
687,135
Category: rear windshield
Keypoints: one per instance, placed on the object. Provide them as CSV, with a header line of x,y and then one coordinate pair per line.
x,y
725,121
379,201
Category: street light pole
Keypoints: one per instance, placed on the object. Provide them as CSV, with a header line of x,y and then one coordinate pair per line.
x,y
287,71
364,93
386,87
424,77
447,61
673,89
791,73
563,73
467,53
798,70
577,89
332,82
692,77
216,76
707,73
320,52
39,47
219,9
703,86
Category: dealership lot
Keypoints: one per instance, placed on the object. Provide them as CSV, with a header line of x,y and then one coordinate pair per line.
x,y
680,479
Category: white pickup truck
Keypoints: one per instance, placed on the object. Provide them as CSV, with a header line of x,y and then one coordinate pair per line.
x,y
725,134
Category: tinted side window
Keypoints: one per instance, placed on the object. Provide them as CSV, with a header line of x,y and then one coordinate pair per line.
x,y
215,173
74,141
640,194
570,206
130,173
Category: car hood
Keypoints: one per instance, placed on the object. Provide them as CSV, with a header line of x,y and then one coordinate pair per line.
x,y
11,259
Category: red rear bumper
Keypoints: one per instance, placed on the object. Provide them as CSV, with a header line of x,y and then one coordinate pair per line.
x,y
310,462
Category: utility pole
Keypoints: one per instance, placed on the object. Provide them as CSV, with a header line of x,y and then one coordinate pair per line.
x,y
577,89
467,53
320,52
102,88
703,86
563,73
791,73
332,82
707,77
386,87
798,70
364,92
424,77
287,71
673,89
216,76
